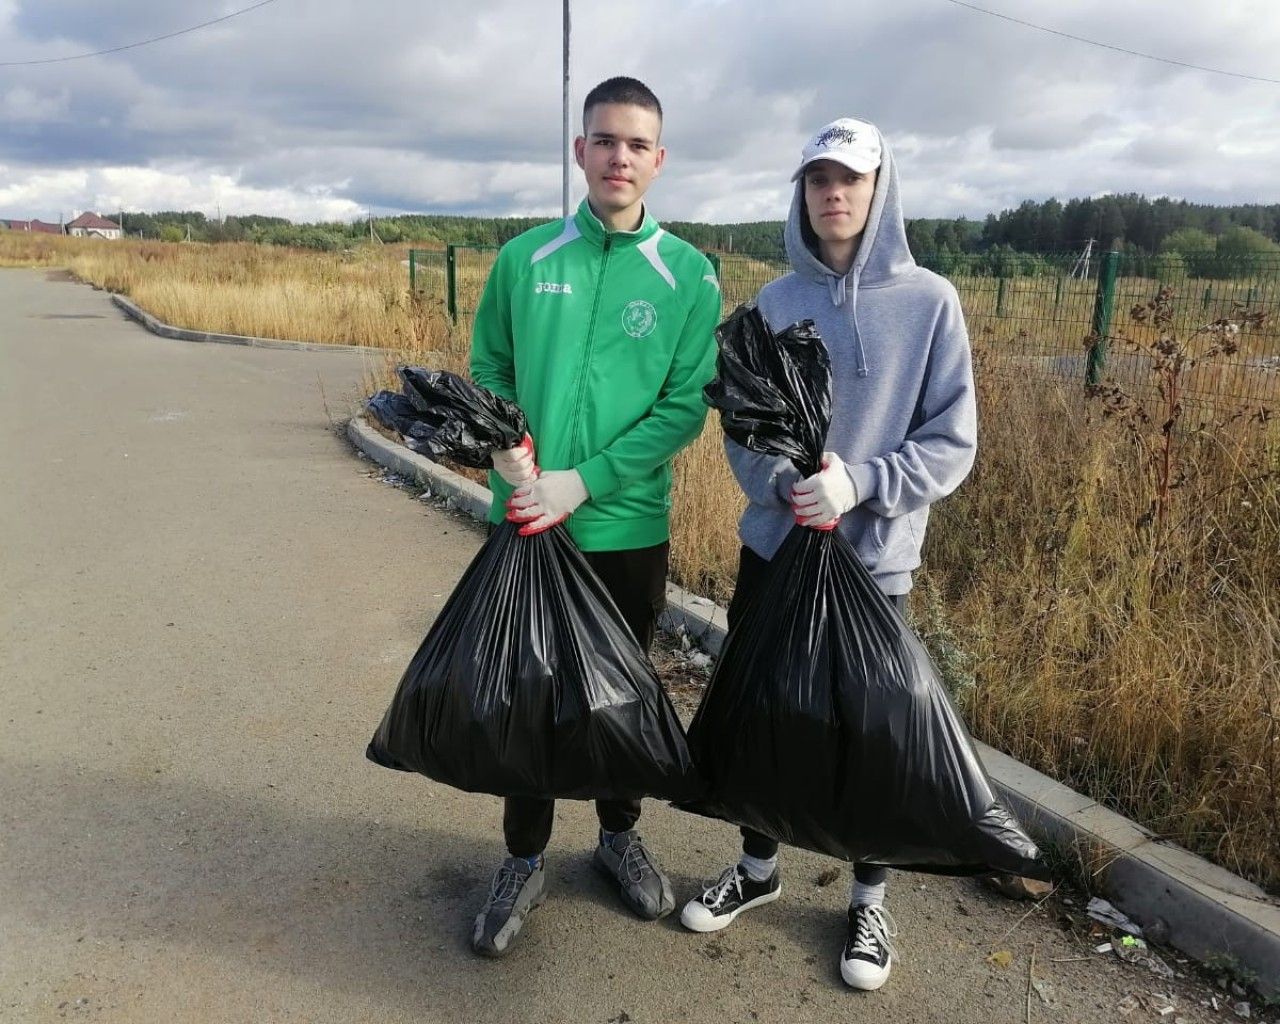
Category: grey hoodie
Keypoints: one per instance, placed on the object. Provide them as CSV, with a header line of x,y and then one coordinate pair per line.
x,y
903,417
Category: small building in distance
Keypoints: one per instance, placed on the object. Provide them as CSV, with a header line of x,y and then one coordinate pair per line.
x,y
37,226
90,225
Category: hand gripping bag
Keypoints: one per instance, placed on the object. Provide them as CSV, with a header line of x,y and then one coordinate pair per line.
x,y
826,725
529,682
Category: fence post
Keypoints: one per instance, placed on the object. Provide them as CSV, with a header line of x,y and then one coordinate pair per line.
x,y
413,271
714,259
1250,297
451,282
1208,296
1057,293
1103,305
1000,297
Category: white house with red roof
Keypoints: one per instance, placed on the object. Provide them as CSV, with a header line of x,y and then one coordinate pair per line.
x,y
90,225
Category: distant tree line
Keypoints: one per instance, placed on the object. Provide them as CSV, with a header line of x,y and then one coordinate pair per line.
x,y
1035,238
1121,221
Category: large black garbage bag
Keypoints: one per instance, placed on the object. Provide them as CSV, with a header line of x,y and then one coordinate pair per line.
x,y
825,724
529,682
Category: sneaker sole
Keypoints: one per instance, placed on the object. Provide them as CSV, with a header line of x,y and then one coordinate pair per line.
x,y
863,984
715,924
493,953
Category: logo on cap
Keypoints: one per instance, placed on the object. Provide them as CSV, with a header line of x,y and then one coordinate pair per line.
x,y
836,133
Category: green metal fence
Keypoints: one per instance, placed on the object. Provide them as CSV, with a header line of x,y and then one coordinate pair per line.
x,y
1033,315
455,275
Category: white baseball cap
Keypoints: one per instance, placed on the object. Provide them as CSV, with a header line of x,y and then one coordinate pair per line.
x,y
846,140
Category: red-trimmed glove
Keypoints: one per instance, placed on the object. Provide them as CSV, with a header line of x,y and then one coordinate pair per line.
x,y
820,500
548,500
515,465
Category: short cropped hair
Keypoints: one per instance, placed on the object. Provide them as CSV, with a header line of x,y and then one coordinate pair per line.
x,y
621,90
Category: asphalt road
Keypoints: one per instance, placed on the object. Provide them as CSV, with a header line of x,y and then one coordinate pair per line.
x,y
208,600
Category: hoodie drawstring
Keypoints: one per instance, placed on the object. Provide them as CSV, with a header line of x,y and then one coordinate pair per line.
x,y
863,369
836,289
840,293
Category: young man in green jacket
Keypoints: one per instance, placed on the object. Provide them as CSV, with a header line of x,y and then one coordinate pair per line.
x,y
601,327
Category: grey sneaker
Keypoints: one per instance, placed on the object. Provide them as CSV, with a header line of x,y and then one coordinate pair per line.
x,y
515,890
644,888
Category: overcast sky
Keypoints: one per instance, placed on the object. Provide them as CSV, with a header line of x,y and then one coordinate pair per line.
x,y
328,108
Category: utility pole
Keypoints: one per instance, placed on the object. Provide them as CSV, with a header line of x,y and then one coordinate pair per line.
x,y
1081,268
564,197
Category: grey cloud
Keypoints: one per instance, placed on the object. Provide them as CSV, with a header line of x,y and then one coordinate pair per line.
x,y
1164,150
455,105
1052,131
85,28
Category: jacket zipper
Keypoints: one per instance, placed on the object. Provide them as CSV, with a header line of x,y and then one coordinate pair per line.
x,y
586,358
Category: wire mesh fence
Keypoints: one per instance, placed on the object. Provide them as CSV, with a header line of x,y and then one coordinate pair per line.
x,y
1043,315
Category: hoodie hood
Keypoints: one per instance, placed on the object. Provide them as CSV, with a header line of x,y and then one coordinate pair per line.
x,y
882,258
882,254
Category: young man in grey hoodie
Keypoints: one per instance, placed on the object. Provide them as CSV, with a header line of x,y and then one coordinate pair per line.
x,y
903,434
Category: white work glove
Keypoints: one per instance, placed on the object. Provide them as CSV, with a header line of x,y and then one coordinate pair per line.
x,y
515,465
820,500
548,500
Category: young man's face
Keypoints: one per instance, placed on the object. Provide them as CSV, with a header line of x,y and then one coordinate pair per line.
x,y
620,156
838,200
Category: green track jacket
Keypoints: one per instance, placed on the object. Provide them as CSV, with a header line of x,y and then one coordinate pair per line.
x,y
605,339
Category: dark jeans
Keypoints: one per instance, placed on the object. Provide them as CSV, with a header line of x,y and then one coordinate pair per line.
x,y
751,570
637,582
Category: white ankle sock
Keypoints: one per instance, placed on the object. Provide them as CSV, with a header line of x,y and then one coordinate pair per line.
x,y
759,869
871,895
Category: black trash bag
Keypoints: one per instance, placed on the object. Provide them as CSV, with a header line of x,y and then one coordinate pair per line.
x,y
773,392
826,725
529,682
395,412
443,415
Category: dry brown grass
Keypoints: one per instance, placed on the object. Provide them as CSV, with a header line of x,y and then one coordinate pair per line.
x,y
1137,663
358,298
1140,665
19,249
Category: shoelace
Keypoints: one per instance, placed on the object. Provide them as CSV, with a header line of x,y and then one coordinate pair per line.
x,y
635,861
505,885
715,892
876,927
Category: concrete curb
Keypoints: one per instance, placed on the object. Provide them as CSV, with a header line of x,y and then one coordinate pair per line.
x,y
1178,898
456,490
183,334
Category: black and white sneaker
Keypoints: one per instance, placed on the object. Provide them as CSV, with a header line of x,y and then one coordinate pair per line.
x,y
868,951
727,897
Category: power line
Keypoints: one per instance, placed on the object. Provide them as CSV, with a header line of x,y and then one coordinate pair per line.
x,y
1108,46
142,42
